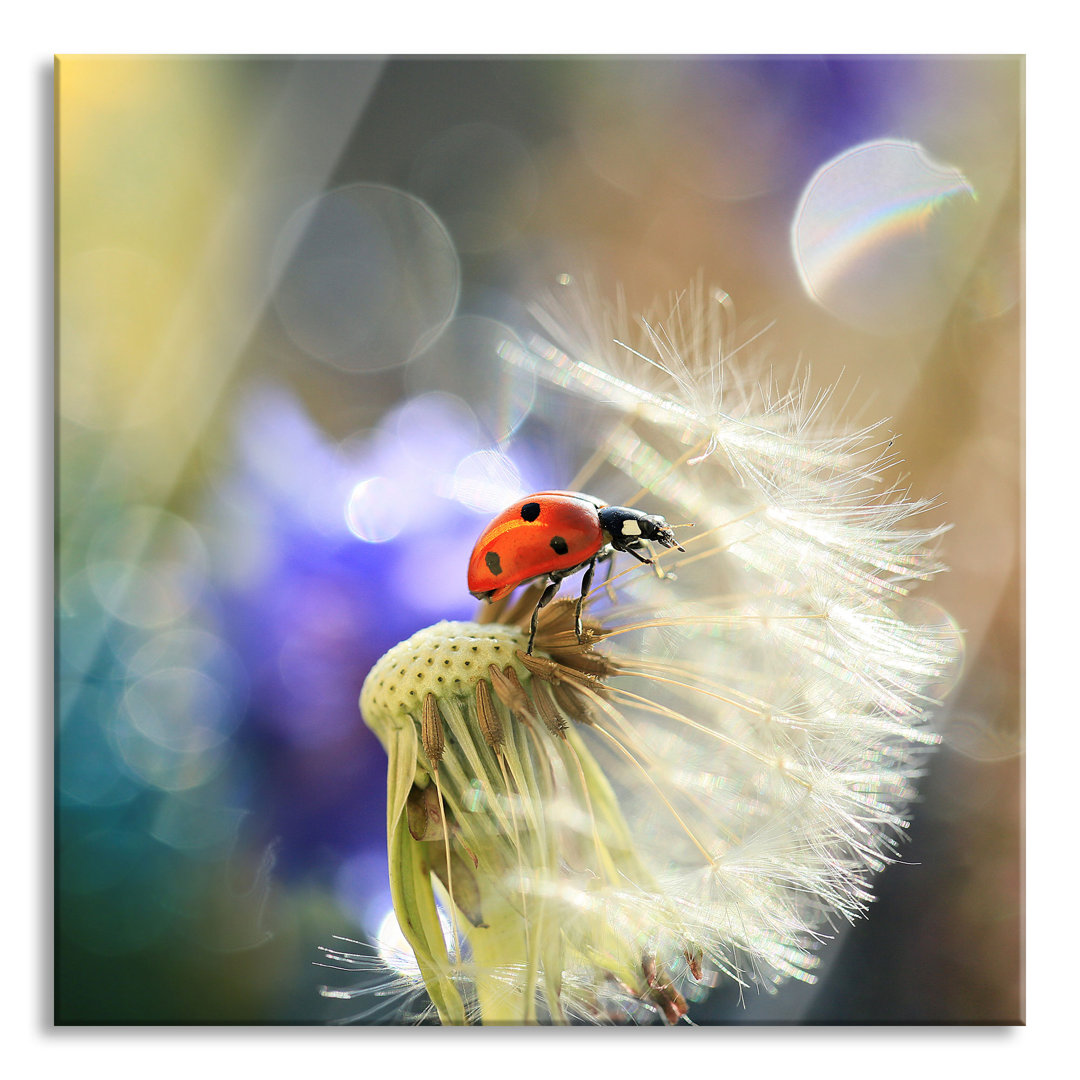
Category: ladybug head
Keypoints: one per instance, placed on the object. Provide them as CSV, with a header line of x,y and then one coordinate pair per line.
x,y
627,528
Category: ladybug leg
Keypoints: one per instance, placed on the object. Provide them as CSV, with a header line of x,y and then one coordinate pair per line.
x,y
640,558
586,585
661,573
607,580
545,599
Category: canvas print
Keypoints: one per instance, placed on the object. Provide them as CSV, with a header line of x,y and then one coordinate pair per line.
x,y
538,540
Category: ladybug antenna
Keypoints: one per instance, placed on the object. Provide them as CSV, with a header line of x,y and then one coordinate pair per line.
x,y
681,525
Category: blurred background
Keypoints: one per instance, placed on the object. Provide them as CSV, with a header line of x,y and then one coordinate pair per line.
x,y
282,421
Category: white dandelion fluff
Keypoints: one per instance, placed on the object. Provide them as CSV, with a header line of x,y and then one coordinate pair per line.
x,y
703,785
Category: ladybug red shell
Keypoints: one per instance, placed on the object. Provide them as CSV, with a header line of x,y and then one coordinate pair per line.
x,y
546,533
554,534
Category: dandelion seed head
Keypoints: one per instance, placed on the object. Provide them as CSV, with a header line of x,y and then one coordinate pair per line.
x,y
703,786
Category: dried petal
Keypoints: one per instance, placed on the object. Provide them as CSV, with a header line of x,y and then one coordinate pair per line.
x,y
431,730
490,724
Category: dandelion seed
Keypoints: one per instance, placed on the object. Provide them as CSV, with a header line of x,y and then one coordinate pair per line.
x,y
700,784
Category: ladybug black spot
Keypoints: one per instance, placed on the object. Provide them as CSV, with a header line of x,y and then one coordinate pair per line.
x,y
530,511
559,545
493,563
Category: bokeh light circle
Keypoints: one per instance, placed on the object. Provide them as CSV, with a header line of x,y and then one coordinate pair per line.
x,y
374,512
367,277
883,236
180,709
435,430
466,361
487,481
147,566
156,765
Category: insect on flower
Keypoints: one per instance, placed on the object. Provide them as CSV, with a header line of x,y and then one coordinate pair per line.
x,y
673,779
554,534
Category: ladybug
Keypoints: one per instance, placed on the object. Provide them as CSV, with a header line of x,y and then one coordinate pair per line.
x,y
554,534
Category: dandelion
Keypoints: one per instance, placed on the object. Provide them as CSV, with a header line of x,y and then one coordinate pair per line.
x,y
701,785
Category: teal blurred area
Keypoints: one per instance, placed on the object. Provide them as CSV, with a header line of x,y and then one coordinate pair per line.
x,y
283,285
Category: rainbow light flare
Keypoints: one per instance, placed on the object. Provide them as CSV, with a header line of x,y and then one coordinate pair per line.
x,y
863,200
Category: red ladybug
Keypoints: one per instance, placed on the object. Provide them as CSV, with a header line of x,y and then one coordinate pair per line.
x,y
554,534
